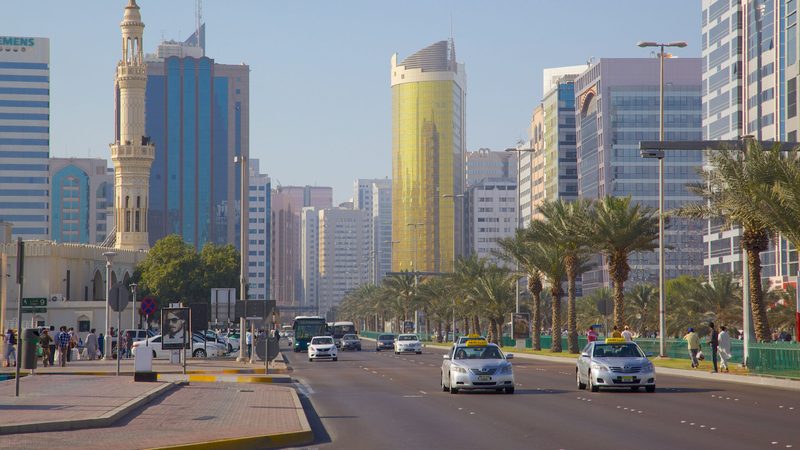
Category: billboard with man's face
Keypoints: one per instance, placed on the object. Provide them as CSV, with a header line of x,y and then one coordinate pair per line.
x,y
520,325
175,332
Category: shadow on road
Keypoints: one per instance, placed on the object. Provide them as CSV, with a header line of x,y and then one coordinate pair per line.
x,y
321,435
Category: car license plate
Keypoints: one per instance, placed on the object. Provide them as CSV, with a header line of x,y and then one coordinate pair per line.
x,y
484,378
627,379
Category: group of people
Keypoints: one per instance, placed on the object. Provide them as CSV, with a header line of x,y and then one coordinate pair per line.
x,y
56,346
626,334
720,343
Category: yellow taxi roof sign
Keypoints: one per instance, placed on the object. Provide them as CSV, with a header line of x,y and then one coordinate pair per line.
x,y
477,343
615,341
473,336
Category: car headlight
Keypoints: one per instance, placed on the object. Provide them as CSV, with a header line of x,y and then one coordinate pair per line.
x,y
506,369
598,367
458,369
647,366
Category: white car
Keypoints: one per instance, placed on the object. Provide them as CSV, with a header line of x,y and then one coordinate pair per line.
x,y
200,349
322,347
407,343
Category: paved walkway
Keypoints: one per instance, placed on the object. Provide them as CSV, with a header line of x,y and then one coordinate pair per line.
x,y
63,397
195,413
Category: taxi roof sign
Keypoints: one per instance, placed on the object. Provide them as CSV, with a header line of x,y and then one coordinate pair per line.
x,y
474,336
615,341
477,343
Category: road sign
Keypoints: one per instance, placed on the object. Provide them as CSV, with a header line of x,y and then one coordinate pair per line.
x,y
118,297
605,306
149,306
256,309
34,305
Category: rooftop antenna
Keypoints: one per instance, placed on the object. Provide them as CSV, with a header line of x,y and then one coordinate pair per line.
x,y
198,19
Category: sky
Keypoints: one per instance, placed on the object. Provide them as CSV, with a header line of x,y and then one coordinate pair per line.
x,y
320,100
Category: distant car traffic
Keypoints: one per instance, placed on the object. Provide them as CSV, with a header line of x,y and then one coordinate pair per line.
x,y
407,343
200,349
384,342
322,347
351,342
615,363
477,364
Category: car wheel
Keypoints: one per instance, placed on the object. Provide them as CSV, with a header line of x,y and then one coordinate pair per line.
x,y
650,388
578,376
453,390
377,349
335,358
441,380
419,353
396,353
592,386
230,348
359,348
509,390
199,353
310,359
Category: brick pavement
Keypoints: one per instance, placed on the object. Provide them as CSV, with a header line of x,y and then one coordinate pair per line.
x,y
64,397
194,413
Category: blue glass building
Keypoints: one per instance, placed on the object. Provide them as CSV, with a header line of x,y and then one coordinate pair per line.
x,y
198,119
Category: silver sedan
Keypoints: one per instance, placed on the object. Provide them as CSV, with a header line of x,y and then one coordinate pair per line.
x,y
477,365
614,363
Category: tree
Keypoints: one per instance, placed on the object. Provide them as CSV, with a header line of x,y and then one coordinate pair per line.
x,y
220,267
171,271
494,290
567,225
731,193
401,293
620,228
437,294
642,310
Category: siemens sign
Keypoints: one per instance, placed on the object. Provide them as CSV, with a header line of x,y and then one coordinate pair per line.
x,y
17,41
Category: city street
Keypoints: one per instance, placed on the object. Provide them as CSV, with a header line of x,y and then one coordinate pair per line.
x,y
370,400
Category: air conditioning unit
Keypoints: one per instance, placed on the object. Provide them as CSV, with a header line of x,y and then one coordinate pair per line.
x,y
57,298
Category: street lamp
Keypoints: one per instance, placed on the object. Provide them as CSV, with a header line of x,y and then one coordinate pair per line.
x,y
243,227
107,344
133,312
463,210
519,200
416,271
659,154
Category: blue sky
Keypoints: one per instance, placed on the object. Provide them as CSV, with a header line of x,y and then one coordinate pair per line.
x,y
320,102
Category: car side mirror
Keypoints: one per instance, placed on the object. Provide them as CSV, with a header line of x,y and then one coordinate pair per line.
x,y
509,356
445,356
584,355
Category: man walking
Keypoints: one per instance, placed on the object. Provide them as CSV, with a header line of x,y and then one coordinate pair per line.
x,y
693,342
713,341
45,340
63,346
10,340
724,348
627,335
91,345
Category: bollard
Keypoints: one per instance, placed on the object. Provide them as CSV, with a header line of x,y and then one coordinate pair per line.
x,y
30,337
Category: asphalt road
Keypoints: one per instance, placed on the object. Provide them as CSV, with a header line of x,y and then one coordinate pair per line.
x,y
370,400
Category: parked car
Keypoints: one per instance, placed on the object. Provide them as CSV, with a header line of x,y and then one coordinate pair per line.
x,y
351,342
200,348
322,347
384,342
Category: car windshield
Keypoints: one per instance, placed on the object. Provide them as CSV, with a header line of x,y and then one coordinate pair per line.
x,y
617,351
409,337
386,337
350,337
478,353
322,341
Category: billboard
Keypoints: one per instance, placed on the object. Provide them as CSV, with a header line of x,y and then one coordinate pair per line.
x,y
520,325
175,328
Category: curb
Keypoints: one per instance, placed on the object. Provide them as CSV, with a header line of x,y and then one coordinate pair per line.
x,y
275,440
105,420
200,378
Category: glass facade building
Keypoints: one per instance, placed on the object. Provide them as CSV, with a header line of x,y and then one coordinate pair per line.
x,y
25,135
81,200
428,145
617,106
198,119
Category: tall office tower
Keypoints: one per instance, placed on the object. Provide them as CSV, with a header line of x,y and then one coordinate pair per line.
x,y
259,232
198,117
484,163
309,256
287,204
749,51
428,145
344,237
552,136
375,196
492,215
81,200
617,105
25,135
132,152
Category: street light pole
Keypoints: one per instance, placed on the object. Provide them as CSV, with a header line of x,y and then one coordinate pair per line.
x,y
416,271
107,344
133,311
243,248
519,201
662,319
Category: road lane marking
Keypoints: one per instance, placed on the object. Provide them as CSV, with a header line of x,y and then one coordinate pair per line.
x,y
422,392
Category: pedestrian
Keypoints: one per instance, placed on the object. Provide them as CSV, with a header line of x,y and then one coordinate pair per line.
x,y
627,334
10,340
53,338
713,341
615,333
693,342
45,340
63,346
591,335
73,341
122,346
724,347
91,345
101,345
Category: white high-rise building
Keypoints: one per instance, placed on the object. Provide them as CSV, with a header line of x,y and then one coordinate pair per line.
x,y
375,197
259,232
492,214
309,256
344,244
25,135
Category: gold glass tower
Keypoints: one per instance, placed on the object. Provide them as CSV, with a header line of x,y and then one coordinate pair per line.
x,y
428,141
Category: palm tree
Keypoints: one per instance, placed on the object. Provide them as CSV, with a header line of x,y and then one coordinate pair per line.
x,y
436,293
732,193
400,290
721,300
553,270
495,292
643,311
567,225
518,251
619,229
467,271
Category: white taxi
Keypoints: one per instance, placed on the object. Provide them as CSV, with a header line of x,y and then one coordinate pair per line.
x,y
477,364
615,363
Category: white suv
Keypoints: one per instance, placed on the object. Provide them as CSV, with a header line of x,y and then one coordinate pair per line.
x,y
322,347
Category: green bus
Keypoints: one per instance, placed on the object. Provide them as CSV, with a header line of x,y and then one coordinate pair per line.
x,y
306,327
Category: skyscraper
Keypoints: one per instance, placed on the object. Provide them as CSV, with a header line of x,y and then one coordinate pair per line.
x,y
25,135
375,197
428,145
343,247
260,229
81,200
617,106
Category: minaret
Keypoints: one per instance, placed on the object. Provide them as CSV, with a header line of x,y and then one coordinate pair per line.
x,y
132,152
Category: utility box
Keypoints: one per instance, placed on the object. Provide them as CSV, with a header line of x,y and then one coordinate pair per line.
x,y
30,338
